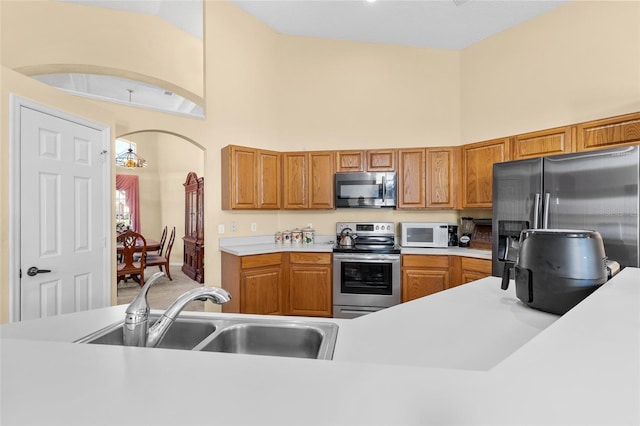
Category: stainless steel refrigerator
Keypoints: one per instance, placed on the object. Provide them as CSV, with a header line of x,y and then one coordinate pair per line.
x,y
596,190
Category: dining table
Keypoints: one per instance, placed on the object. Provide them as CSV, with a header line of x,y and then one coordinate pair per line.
x,y
152,245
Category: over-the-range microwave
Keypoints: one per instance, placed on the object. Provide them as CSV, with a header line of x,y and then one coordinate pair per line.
x,y
365,189
424,234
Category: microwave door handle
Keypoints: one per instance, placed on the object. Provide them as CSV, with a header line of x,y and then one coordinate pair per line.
x,y
384,189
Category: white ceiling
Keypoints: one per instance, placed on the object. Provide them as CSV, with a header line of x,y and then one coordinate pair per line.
x,y
440,24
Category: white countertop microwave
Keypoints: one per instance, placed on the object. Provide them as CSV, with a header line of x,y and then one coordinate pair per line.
x,y
424,234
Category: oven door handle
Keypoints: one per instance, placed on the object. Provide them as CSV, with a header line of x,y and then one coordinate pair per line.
x,y
359,311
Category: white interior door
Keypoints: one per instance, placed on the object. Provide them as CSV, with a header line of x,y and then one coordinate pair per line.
x,y
62,216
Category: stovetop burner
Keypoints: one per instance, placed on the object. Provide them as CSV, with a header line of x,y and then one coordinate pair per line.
x,y
383,249
371,237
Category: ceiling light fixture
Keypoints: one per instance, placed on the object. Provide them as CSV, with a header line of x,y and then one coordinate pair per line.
x,y
130,159
459,2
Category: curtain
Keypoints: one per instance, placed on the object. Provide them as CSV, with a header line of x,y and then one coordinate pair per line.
x,y
129,184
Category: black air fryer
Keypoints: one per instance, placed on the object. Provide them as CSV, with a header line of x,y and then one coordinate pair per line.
x,y
557,268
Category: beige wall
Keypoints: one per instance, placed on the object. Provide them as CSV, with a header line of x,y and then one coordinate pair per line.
x,y
576,63
272,91
51,36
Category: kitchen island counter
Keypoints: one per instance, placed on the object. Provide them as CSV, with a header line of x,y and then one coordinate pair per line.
x,y
470,355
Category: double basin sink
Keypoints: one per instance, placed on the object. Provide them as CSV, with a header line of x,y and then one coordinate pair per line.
x,y
289,338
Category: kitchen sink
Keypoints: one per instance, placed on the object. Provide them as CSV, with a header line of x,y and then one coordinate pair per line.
x,y
183,334
253,336
292,340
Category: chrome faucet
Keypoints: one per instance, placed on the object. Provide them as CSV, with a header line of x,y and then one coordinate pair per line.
x,y
136,330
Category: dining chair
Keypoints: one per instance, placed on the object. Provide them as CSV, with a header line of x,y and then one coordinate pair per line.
x,y
132,243
163,239
163,261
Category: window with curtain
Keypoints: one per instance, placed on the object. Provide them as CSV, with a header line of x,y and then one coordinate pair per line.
x,y
128,185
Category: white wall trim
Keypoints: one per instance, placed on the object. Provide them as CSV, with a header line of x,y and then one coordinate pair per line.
x,y
16,103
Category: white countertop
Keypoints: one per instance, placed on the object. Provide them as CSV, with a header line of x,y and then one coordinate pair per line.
x,y
244,246
470,355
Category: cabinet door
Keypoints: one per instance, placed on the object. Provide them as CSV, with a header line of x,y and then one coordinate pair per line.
x,y
473,269
310,290
321,170
442,177
477,171
381,160
422,282
238,178
350,161
261,291
295,193
423,275
546,142
609,132
411,178
268,181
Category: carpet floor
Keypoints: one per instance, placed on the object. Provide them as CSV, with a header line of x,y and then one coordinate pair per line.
x,y
163,292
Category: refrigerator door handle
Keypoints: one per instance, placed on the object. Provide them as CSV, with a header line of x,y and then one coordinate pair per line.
x,y
536,211
545,213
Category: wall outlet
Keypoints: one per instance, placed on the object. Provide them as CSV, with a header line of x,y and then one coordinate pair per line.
x,y
221,228
254,227
234,227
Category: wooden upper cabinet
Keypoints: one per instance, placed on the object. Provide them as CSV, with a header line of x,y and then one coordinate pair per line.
x,y
250,178
381,160
376,160
411,178
350,161
308,180
609,132
321,190
477,171
268,179
560,140
442,177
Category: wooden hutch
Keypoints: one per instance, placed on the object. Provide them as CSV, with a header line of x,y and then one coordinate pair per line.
x,y
193,265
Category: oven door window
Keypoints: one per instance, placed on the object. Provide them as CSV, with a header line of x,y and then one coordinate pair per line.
x,y
366,278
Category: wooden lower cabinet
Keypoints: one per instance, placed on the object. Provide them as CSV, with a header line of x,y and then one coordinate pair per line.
x,y
256,283
278,284
467,269
423,275
310,292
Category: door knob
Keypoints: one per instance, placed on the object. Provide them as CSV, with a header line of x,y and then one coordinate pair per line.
x,y
33,271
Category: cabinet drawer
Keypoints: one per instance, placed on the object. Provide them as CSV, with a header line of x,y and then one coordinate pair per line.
x,y
314,258
425,261
261,260
478,265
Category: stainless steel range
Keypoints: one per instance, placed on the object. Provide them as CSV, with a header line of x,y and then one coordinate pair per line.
x,y
366,268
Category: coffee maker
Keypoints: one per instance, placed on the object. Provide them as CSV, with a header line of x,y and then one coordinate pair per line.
x,y
466,229
453,235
